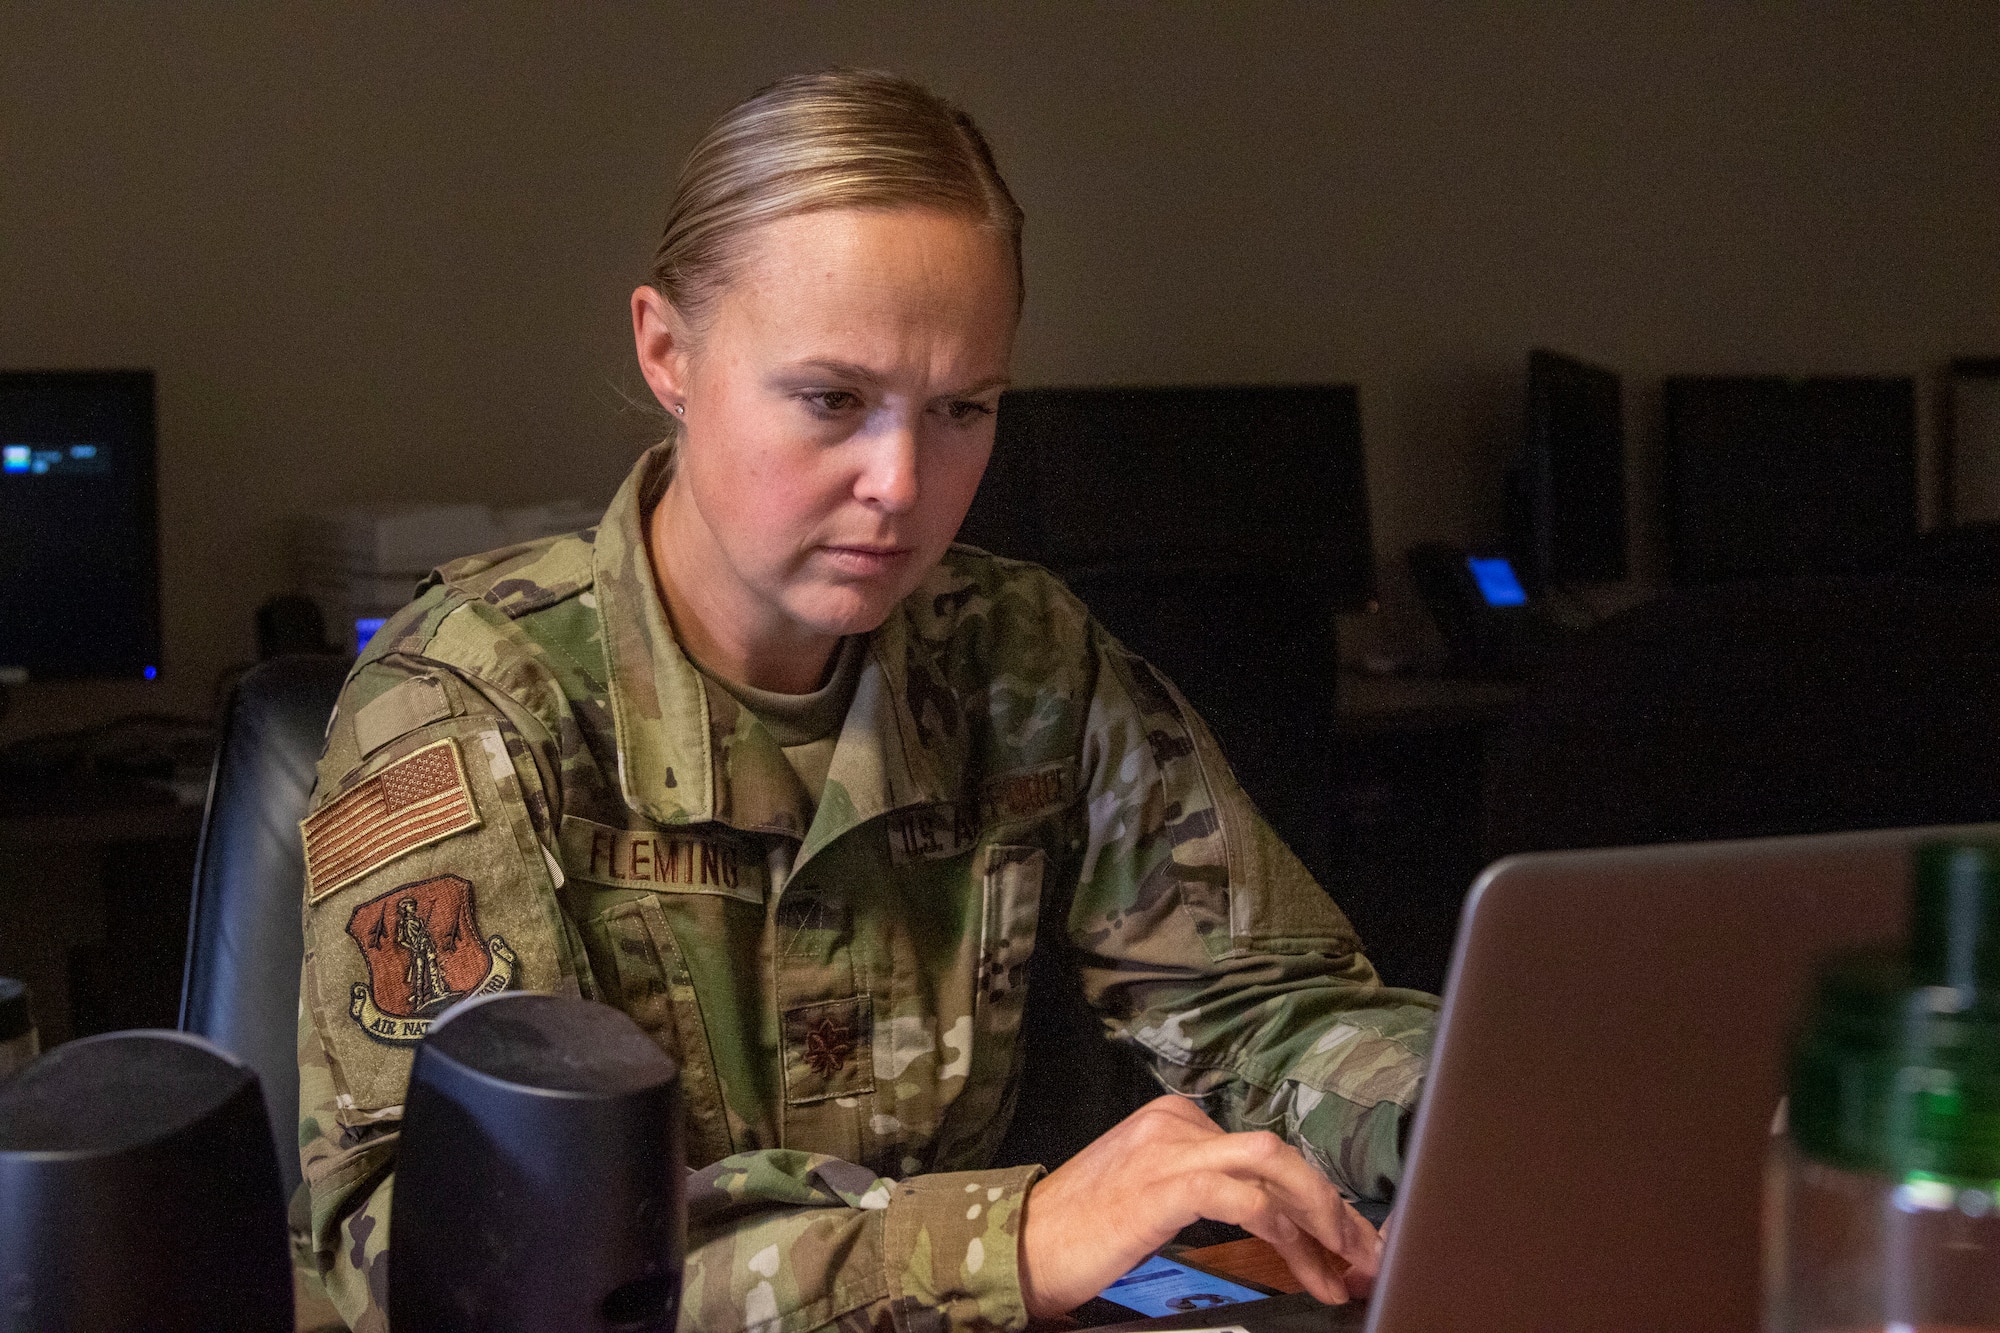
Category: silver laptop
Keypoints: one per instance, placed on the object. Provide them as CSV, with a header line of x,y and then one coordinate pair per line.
x,y
1590,1149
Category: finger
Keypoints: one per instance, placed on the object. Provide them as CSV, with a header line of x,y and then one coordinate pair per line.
x,y
1305,1194
1321,1271
1296,1189
1228,1198
1318,1271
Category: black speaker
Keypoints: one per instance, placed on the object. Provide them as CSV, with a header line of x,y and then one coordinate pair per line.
x,y
139,1190
539,1180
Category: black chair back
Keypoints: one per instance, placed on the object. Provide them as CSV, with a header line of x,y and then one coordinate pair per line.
x,y
245,944
1754,710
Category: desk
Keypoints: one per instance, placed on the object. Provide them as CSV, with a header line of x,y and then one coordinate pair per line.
x,y
94,886
1250,1260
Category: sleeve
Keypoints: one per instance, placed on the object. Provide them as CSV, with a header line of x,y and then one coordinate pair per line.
x,y
788,1241
434,793
428,879
1206,943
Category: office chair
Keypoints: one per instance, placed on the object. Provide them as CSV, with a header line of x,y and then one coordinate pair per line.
x,y
1757,709
240,988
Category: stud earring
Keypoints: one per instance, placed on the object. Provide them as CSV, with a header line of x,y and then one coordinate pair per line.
x,y
680,409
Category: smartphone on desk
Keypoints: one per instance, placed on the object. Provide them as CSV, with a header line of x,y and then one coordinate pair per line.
x,y
1163,1286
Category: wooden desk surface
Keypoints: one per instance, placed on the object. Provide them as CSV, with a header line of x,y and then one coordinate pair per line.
x,y
1247,1260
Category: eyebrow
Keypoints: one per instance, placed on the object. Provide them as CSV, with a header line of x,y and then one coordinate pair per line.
x,y
851,370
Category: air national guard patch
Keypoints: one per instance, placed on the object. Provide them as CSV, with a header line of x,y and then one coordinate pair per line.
x,y
416,801
424,953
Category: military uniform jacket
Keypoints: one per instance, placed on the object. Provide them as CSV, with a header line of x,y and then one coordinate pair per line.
x,y
527,784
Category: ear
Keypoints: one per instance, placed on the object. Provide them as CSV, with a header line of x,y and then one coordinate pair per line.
x,y
660,337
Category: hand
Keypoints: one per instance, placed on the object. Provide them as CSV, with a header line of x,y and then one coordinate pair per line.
x,y
1095,1217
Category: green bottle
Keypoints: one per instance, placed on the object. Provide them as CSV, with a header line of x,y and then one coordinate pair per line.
x,y
1885,1189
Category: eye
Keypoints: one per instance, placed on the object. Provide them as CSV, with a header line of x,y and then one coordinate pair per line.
x,y
830,402
965,411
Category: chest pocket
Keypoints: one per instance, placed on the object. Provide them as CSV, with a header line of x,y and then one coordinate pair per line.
x,y
1011,902
638,966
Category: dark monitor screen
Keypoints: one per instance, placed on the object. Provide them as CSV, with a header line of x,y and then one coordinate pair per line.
x,y
1268,478
79,565
1571,520
1772,477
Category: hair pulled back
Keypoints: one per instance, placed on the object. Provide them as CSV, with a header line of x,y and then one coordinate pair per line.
x,y
843,138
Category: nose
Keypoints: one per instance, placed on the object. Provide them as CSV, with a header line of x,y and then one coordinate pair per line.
x,y
888,477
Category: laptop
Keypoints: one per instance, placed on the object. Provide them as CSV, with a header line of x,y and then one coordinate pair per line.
x,y
1589,1152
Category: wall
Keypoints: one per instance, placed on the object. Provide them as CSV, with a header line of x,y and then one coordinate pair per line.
x,y
382,252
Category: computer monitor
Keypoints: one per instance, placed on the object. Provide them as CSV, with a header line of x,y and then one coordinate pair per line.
x,y
1769,477
79,560
1269,478
1566,496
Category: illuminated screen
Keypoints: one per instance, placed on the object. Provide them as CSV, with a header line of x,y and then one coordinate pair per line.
x,y
79,581
1162,1287
1496,580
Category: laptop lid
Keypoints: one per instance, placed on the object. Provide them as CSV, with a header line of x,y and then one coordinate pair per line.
x,y
1590,1150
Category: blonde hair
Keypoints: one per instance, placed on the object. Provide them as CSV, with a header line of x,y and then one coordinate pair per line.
x,y
844,138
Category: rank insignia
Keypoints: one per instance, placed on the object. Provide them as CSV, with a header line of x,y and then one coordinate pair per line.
x,y
424,953
829,1043
829,1050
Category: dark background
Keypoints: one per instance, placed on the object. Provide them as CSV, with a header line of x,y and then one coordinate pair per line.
x,y
382,253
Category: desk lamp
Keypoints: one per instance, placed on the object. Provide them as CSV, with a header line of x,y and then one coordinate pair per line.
x,y
538,1182
139,1190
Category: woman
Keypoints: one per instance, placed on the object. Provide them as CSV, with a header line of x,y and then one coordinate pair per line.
x,y
769,764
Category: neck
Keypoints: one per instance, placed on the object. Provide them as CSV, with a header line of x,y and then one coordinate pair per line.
x,y
717,622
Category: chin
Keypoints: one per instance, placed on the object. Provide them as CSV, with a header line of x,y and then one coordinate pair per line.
x,y
844,611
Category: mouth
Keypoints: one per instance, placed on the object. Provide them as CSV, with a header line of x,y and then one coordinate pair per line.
x,y
865,560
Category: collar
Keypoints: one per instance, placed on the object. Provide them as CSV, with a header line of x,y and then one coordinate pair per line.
x,y
683,761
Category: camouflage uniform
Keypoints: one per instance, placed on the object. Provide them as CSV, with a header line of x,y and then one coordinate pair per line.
x,y
528,779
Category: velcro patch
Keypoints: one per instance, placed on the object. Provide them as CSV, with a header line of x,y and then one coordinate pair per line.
x,y
650,858
1025,795
829,1050
931,832
416,702
936,832
424,953
414,802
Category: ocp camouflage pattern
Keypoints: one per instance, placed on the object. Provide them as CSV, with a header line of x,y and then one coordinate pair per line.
x,y
842,985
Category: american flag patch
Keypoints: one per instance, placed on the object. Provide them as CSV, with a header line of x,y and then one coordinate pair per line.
x,y
412,803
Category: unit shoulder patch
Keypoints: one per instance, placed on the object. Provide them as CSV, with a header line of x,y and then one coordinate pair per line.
x,y
424,953
420,799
